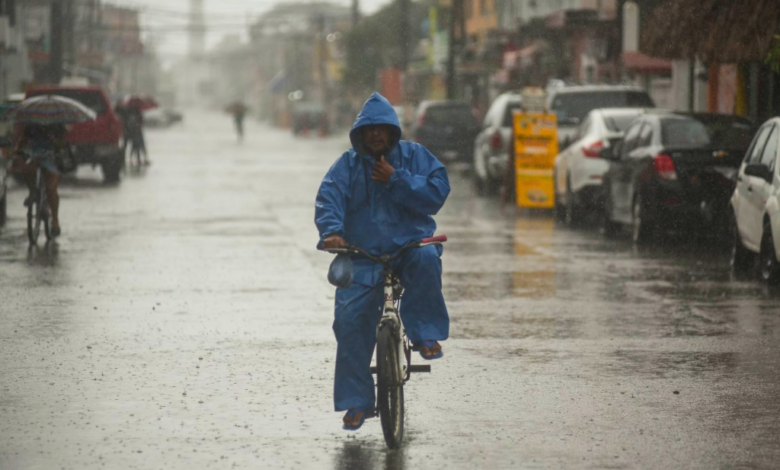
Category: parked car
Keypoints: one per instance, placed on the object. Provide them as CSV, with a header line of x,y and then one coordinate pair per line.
x,y
446,128
755,220
674,171
572,104
493,144
403,111
309,116
161,117
579,169
95,142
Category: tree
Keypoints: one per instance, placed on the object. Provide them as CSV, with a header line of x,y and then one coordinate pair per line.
x,y
374,43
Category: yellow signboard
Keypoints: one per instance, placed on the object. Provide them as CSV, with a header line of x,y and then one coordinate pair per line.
x,y
536,145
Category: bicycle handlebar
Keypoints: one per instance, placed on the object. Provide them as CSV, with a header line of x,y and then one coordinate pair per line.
x,y
381,259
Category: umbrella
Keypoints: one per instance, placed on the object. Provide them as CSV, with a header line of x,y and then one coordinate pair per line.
x,y
140,102
51,109
236,107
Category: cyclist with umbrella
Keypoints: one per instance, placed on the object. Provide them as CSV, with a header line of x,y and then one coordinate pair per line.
x,y
42,142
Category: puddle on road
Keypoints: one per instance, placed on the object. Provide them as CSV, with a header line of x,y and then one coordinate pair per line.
x,y
670,364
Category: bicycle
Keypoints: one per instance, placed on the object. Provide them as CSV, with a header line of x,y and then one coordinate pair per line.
x,y
38,207
393,351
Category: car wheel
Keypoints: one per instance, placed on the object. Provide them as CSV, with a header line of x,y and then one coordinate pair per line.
x,y
741,257
481,182
573,215
111,170
480,185
769,267
643,229
3,210
559,211
609,228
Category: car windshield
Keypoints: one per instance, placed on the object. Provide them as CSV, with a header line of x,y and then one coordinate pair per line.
x,y
510,110
450,115
619,123
571,108
705,131
91,99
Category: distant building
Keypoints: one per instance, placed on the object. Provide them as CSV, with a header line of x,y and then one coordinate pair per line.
x,y
15,66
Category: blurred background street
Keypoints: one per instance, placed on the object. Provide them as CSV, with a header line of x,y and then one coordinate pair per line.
x,y
183,321
613,266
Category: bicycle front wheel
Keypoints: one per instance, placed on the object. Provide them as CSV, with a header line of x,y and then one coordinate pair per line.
x,y
34,217
390,387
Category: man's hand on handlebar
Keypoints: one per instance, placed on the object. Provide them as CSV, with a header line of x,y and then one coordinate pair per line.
x,y
333,242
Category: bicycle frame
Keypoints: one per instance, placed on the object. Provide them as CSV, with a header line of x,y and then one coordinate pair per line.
x,y
39,203
392,299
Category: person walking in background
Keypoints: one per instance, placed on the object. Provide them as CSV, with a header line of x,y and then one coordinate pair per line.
x,y
130,110
135,134
238,110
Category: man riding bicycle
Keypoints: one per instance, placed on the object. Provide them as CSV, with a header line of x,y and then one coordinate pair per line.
x,y
380,195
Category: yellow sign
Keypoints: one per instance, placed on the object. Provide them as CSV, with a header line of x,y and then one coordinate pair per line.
x,y
536,145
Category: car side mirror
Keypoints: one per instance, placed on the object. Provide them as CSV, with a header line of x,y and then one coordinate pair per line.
x,y
759,171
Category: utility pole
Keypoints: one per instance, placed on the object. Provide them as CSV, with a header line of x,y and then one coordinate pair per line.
x,y
322,56
355,12
56,42
403,33
456,29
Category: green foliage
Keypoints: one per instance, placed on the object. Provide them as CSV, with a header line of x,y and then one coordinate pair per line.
x,y
773,56
375,43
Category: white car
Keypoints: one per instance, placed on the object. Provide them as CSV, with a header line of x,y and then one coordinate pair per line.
x,y
493,144
756,206
579,168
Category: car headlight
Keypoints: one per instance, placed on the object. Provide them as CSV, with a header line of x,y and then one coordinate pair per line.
x,y
105,150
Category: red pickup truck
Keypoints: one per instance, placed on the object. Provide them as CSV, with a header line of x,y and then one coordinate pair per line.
x,y
95,142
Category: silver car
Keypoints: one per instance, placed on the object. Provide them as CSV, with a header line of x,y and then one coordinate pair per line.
x,y
572,103
493,144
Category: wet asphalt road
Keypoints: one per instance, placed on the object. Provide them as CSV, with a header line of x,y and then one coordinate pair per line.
x,y
183,321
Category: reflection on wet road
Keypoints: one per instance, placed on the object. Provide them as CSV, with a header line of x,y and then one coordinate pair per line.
x,y
183,321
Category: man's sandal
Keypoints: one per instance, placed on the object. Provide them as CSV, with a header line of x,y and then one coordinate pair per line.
x,y
430,350
360,413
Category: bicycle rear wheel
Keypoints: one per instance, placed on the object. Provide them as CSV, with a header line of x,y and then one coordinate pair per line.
x,y
390,387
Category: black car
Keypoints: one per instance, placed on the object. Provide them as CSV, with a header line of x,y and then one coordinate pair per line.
x,y
447,129
674,171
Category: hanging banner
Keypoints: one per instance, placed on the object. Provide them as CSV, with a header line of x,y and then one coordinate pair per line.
x,y
536,146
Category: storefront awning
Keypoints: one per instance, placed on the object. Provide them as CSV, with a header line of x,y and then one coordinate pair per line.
x,y
522,58
639,63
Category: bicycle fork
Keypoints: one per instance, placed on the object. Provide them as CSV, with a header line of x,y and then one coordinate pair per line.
x,y
391,317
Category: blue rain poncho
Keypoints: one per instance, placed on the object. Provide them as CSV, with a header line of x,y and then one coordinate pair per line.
x,y
382,219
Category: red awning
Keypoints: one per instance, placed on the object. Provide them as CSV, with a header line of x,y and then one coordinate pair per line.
x,y
521,58
642,64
